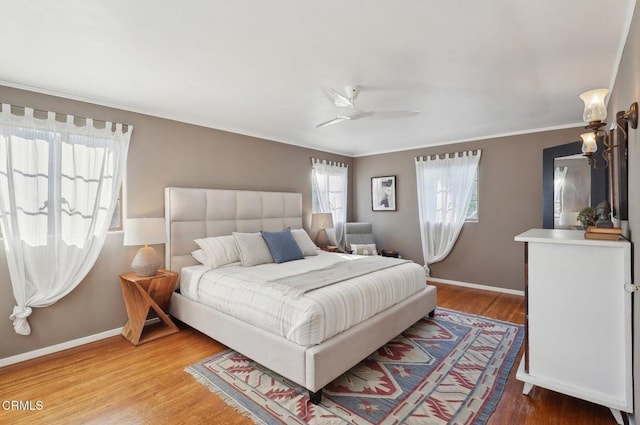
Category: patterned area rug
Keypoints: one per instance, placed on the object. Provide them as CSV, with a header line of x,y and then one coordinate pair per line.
x,y
447,370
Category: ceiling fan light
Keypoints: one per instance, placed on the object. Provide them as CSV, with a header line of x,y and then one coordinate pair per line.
x,y
594,107
589,145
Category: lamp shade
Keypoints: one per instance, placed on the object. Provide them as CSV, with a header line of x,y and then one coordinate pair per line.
x,y
144,231
322,221
589,145
594,107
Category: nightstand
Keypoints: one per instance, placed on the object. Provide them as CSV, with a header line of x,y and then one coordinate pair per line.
x,y
329,248
142,294
389,253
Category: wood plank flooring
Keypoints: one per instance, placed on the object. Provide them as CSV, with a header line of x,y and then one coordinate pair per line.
x,y
113,382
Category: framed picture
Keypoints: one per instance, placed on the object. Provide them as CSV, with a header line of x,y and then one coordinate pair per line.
x,y
383,193
618,169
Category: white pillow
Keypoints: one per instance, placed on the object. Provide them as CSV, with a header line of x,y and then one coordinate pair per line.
x,y
364,249
198,255
218,251
253,249
304,242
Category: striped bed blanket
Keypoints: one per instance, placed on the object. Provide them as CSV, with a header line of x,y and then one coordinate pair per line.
x,y
299,284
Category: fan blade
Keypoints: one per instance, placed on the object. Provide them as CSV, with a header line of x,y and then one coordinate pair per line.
x,y
338,99
389,115
332,121
360,114
356,115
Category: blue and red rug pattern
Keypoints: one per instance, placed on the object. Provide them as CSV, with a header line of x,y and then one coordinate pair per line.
x,y
450,369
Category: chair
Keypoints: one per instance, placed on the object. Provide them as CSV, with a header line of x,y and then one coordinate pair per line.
x,y
358,233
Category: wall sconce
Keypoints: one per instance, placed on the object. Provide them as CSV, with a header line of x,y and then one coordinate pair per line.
x,y
595,112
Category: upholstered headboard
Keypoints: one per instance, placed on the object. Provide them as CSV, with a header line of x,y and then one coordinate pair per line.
x,y
193,213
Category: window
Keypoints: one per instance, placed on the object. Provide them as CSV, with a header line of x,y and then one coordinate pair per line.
x,y
59,183
116,219
50,171
472,212
445,186
335,189
329,192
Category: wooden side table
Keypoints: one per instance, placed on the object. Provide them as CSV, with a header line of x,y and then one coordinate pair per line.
x,y
330,248
142,294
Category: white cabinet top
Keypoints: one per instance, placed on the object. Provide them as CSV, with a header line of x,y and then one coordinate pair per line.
x,y
568,237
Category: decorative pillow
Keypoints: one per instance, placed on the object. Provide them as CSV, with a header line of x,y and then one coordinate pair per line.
x,y
253,249
282,246
218,251
198,255
304,242
364,249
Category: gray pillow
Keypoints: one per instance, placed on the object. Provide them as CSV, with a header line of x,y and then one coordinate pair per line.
x,y
282,246
253,249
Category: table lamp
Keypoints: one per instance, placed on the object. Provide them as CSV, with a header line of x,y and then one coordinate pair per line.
x,y
145,231
322,221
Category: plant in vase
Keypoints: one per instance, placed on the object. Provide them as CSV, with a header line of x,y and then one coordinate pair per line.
x,y
587,217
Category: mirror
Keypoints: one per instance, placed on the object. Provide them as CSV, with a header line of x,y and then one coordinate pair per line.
x,y
571,190
569,184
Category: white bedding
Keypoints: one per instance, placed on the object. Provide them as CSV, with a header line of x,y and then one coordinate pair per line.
x,y
242,292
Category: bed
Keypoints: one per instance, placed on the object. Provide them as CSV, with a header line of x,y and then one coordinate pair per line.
x,y
312,362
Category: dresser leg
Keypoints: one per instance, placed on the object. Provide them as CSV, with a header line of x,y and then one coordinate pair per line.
x,y
617,416
526,389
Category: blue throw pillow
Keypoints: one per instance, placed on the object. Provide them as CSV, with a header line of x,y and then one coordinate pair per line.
x,y
282,246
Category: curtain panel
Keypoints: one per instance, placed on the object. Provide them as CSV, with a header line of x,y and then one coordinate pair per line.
x,y
329,186
59,185
445,187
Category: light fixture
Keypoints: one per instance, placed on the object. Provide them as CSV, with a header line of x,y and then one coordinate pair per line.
x,y
145,231
322,221
595,112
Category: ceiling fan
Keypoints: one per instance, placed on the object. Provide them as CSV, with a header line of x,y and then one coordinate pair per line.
x,y
349,111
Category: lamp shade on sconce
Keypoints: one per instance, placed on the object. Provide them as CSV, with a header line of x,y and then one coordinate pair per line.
x,y
145,231
594,106
589,145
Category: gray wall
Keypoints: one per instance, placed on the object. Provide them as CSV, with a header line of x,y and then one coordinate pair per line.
x,y
509,197
162,153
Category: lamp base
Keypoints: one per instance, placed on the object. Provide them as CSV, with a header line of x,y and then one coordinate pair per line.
x,y
146,262
322,238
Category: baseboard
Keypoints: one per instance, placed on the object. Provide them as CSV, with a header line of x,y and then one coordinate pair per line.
x,y
64,345
477,286
29,355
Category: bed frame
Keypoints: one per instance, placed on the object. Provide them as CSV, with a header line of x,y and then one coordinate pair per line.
x,y
193,213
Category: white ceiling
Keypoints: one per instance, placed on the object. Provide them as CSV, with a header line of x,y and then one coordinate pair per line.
x,y
473,68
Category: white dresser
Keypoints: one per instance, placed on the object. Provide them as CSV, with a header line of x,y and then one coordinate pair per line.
x,y
578,318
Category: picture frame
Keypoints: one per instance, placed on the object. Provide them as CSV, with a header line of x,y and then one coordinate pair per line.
x,y
618,169
383,193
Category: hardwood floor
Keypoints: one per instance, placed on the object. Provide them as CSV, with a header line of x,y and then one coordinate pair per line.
x,y
114,382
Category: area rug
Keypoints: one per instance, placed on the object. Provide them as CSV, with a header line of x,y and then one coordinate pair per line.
x,y
450,369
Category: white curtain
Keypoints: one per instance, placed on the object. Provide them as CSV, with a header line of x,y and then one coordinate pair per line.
x,y
329,185
445,187
559,175
59,184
